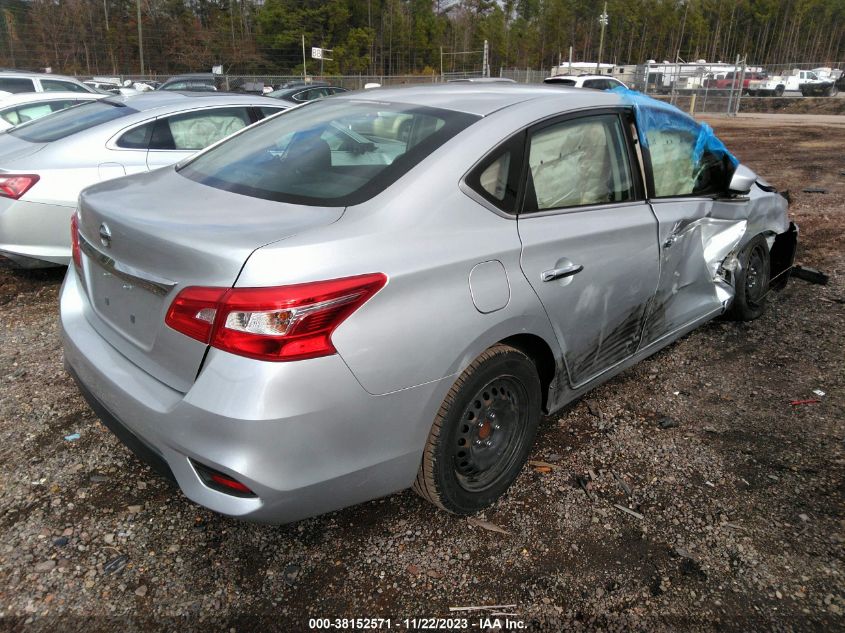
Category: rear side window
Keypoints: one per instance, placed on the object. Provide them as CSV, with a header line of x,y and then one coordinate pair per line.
x,y
72,120
197,130
137,138
29,112
578,162
330,152
494,179
16,84
55,85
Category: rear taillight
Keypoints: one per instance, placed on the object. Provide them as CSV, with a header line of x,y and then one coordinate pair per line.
x,y
279,323
15,185
74,241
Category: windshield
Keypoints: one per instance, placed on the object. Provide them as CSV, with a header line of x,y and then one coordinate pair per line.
x,y
328,153
70,121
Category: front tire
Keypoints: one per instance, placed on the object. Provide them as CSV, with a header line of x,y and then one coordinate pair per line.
x,y
483,432
752,281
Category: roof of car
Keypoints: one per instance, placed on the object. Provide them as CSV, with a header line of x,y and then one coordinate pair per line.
x,y
33,97
575,77
286,92
158,99
23,73
483,99
192,76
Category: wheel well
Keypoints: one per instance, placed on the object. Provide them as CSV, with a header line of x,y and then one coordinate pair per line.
x,y
538,351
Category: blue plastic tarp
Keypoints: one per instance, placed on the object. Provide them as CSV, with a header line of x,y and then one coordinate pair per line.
x,y
652,114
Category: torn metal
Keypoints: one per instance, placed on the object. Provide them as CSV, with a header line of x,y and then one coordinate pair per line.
x,y
700,241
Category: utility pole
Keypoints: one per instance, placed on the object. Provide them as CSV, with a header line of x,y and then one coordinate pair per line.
x,y
7,18
108,37
140,37
603,21
485,65
441,63
304,71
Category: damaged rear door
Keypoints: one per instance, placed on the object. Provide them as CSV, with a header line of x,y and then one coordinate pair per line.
x,y
687,174
589,246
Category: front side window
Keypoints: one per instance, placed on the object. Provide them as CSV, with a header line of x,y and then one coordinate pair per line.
x,y
329,152
72,120
266,111
579,162
679,165
54,85
16,84
197,130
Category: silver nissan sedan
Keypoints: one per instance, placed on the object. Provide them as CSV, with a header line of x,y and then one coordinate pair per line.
x,y
44,164
388,289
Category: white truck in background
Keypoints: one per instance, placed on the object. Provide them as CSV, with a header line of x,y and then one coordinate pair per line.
x,y
807,82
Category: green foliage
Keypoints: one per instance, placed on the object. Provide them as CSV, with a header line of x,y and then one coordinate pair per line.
x,y
406,36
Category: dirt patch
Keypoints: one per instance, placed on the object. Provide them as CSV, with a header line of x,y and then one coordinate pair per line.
x,y
793,105
741,498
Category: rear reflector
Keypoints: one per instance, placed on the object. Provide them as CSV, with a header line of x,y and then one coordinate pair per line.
x,y
74,241
221,482
280,323
15,185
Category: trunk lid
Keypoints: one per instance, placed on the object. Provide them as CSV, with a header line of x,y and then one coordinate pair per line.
x,y
146,237
13,149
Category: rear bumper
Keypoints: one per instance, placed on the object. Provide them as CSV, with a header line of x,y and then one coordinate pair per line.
x,y
33,234
304,436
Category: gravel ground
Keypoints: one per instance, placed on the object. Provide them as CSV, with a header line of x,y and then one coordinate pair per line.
x,y
738,495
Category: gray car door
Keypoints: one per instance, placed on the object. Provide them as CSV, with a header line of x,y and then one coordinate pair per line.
x,y
694,232
589,246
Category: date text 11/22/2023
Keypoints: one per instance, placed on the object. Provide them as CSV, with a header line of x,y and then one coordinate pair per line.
x,y
497,622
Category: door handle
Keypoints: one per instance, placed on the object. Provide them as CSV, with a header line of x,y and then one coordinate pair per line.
x,y
560,273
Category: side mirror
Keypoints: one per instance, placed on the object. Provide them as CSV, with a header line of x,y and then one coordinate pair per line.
x,y
742,181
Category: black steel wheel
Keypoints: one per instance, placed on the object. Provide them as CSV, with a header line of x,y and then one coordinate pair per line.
x,y
483,432
752,281
490,433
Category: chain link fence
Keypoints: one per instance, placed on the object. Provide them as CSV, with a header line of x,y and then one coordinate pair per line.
x,y
697,88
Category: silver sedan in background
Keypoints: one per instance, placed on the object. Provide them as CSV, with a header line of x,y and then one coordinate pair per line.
x,y
29,106
44,164
387,289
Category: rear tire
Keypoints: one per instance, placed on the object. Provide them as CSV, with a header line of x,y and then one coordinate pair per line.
x,y
482,433
779,91
752,281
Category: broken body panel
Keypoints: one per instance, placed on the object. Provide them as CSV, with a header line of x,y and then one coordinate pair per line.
x,y
700,238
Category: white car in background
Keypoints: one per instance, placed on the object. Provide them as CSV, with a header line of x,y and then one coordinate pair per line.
x,y
15,82
28,106
596,82
44,164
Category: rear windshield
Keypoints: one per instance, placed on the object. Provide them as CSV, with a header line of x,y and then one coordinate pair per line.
x,y
62,124
327,153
